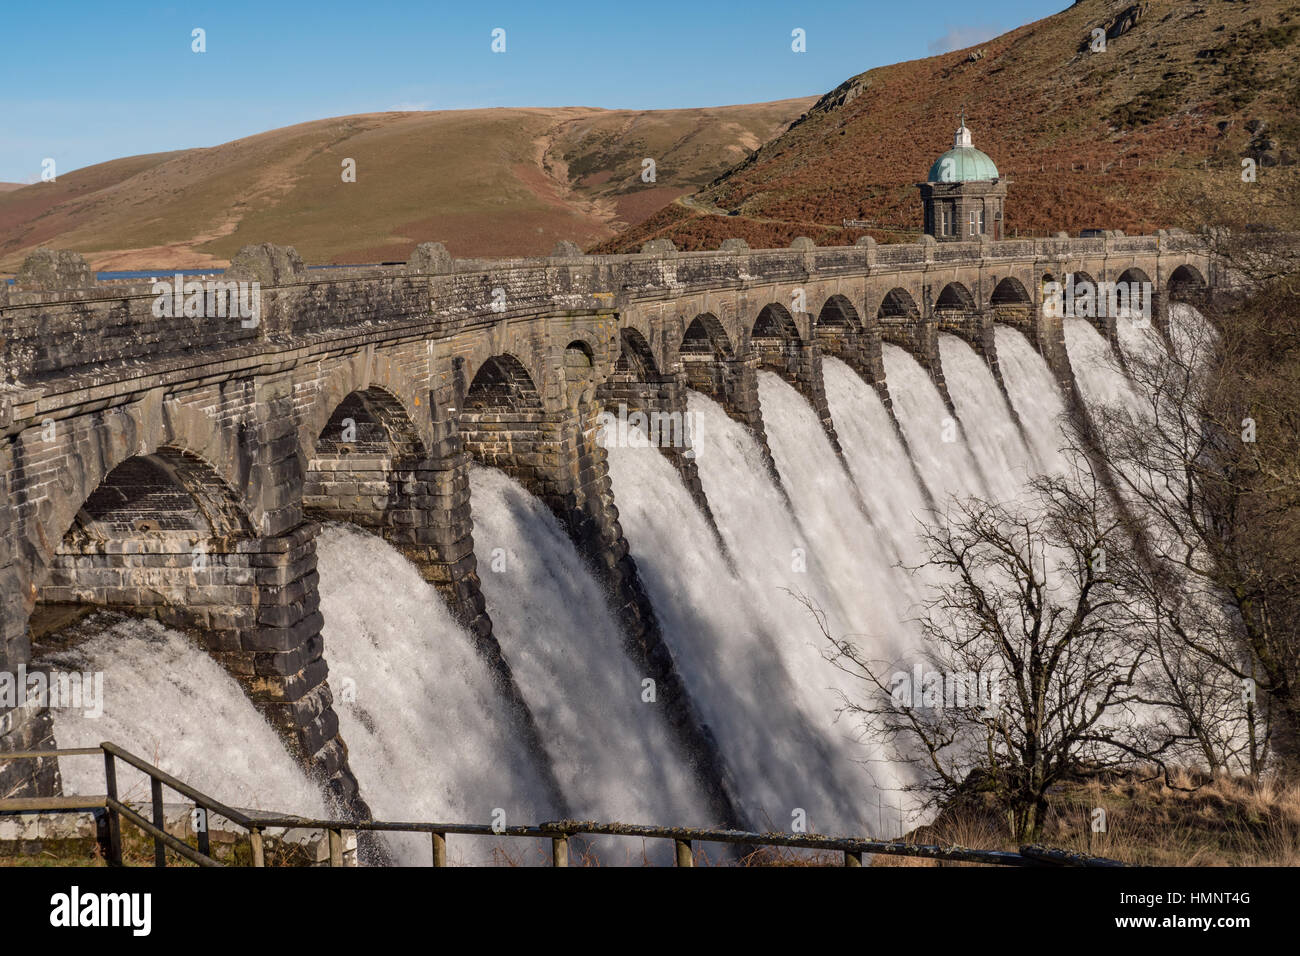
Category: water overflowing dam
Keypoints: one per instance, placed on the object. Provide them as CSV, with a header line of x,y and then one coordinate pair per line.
x,y
429,735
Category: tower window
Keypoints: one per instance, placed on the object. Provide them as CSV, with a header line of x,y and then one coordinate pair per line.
x,y
982,229
972,222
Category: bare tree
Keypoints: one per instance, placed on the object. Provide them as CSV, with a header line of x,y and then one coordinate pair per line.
x,y
1026,601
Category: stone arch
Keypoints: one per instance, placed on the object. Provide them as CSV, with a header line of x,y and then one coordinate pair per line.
x,y
955,297
163,535
840,332
1134,274
705,335
384,397
1011,304
956,311
897,306
501,383
169,493
579,368
1187,284
902,324
774,324
838,312
88,449
635,357
361,460
707,356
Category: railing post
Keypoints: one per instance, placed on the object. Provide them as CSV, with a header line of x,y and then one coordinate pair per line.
x,y
255,844
560,851
684,855
114,821
336,847
439,848
852,858
159,848
204,821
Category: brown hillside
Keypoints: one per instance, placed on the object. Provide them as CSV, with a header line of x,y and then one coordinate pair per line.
x,y
1109,139
484,182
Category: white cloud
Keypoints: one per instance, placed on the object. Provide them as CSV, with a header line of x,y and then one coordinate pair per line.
x,y
960,37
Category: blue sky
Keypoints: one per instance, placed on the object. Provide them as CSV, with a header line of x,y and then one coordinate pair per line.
x,y
83,82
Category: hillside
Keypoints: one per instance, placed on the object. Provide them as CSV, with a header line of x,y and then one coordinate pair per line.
x,y
1112,139
484,182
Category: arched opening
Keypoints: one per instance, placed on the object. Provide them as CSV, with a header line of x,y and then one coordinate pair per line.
x,y
501,384
579,372
156,539
164,537
954,297
901,324
838,315
774,341
354,472
1186,284
635,357
502,419
955,311
1011,304
840,332
774,326
705,353
897,306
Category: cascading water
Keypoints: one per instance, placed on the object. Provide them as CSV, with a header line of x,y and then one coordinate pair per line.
x,y
1100,378
877,460
166,700
995,442
1035,396
611,747
428,736
750,653
932,434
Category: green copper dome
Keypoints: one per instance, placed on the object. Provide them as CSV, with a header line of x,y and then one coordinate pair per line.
x,y
962,163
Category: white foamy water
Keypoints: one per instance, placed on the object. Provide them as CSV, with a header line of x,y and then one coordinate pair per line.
x,y
1004,461
429,738
746,650
167,701
1096,370
612,751
932,434
877,460
1035,395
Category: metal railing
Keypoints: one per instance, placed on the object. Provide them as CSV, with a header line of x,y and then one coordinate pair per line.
x,y
558,832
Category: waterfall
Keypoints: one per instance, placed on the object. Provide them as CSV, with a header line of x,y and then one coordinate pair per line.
x,y
428,737
166,700
750,654
610,744
1096,369
1004,460
1035,396
931,430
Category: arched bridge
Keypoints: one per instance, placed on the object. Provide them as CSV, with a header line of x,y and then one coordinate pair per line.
x,y
167,452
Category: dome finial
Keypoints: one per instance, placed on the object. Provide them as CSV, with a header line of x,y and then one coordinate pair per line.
x,y
963,138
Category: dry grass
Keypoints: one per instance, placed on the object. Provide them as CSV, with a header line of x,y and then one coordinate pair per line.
x,y
1106,140
1200,821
